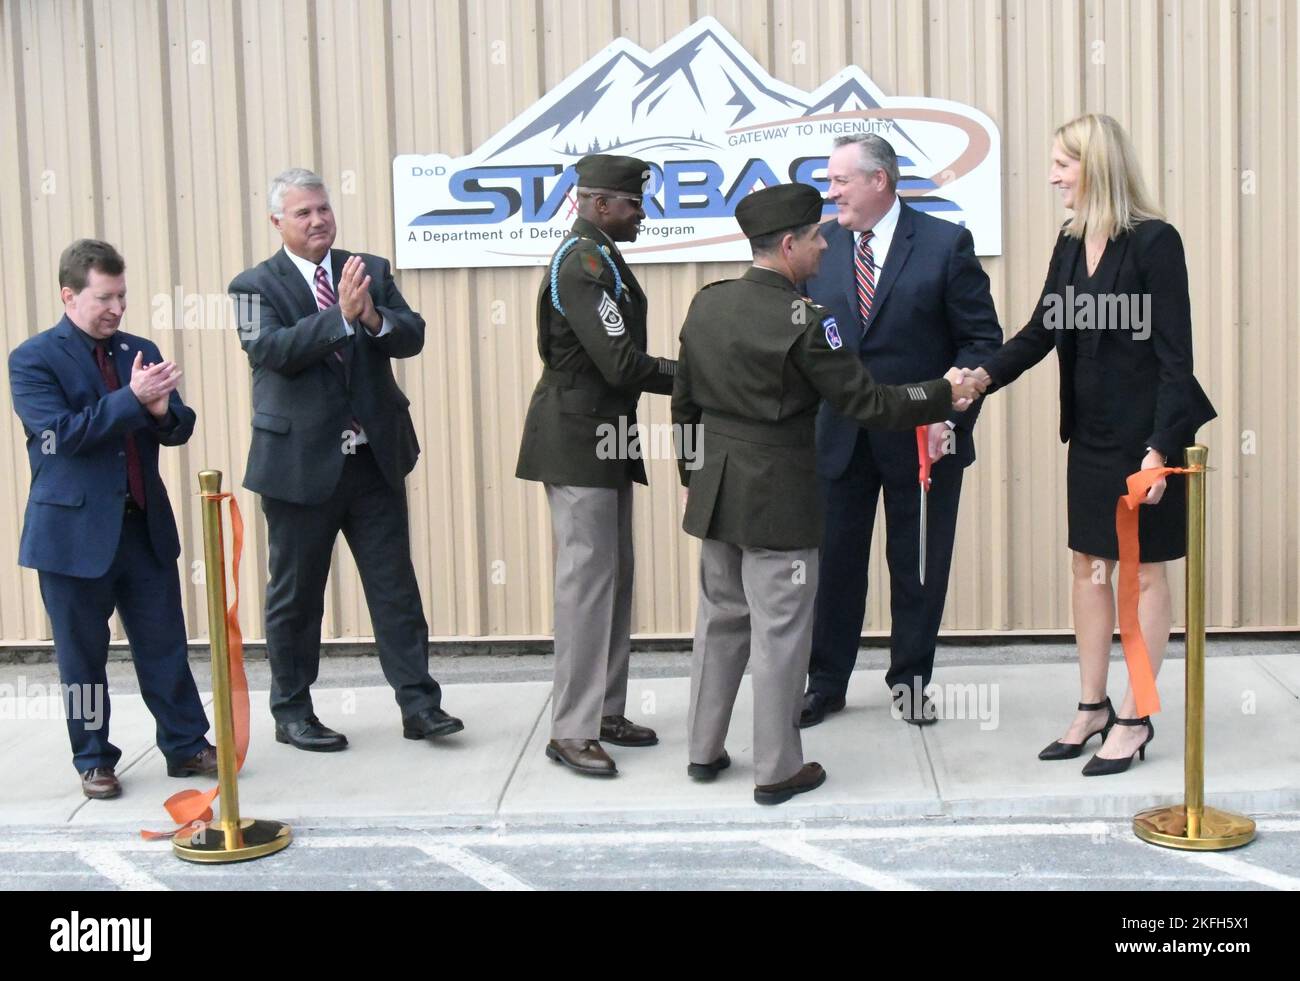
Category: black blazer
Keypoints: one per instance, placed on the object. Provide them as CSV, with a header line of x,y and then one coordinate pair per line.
x,y
1141,377
932,310
304,398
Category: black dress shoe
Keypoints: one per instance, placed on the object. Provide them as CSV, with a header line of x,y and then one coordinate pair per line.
x,y
926,715
619,731
100,783
1100,766
810,777
816,706
1057,750
704,772
310,735
201,764
584,755
430,723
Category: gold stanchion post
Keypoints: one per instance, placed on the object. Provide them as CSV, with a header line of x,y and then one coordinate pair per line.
x,y
230,839
1191,825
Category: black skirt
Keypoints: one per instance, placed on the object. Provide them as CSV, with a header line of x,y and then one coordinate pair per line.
x,y
1095,481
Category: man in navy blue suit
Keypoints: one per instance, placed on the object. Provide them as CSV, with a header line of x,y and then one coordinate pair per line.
x,y
919,302
96,403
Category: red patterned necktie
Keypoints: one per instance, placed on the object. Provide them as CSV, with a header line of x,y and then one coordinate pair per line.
x,y
325,299
865,264
134,473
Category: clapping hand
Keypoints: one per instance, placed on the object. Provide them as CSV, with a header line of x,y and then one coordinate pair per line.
x,y
153,384
355,301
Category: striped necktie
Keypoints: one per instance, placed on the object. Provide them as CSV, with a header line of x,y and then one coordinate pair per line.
x,y
325,297
865,265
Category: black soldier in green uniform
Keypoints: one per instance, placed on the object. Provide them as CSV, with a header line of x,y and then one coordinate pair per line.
x,y
591,333
756,360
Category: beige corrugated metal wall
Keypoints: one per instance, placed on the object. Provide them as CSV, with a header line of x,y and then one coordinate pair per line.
x,y
155,124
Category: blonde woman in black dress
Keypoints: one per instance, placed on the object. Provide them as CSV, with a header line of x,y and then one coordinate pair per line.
x,y
1115,309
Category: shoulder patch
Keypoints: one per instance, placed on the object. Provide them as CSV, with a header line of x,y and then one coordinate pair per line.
x,y
832,333
591,263
611,318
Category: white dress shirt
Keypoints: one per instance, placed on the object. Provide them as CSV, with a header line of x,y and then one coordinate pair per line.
x,y
882,237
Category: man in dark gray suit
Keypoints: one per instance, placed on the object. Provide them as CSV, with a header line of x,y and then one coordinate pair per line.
x,y
332,445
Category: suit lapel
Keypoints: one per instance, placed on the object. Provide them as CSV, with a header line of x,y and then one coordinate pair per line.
x,y
344,368
899,249
75,348
123,356
1111,261
302,298
839,257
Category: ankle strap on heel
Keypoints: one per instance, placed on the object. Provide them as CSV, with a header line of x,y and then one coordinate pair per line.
x,y
1145,720
1094,706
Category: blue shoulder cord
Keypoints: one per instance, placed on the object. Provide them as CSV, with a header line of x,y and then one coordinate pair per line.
x,y
555,272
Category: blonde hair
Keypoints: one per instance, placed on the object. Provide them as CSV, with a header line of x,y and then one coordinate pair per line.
x,y
1110,197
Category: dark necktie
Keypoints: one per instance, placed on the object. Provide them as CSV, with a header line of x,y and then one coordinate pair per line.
x,y
134,472
865,264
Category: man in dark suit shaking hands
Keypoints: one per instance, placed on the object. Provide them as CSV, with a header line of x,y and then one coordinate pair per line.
x,y
96,403
332,445
918,302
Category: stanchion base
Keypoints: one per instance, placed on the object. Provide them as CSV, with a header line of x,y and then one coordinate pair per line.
x,y
208,845
1220,830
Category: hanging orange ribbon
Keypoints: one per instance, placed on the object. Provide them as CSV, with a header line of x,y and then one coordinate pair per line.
x,y
1141,677
193,807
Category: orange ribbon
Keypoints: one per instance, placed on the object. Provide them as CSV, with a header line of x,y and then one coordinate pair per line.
x,y
1141,677
193,807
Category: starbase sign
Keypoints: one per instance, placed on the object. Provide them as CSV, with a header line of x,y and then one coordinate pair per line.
x,y
713,126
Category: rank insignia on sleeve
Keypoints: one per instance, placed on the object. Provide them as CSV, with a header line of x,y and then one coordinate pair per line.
x,y
832,333
611,318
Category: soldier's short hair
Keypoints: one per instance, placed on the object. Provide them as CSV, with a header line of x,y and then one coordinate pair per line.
x,y
84,255
874,153
764,244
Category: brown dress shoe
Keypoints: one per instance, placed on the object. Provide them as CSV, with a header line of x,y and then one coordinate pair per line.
x,y
619,731
583,755
201,764
99,783
810,777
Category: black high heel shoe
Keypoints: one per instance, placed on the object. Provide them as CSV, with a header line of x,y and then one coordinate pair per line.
x,y
1068,751
1098,767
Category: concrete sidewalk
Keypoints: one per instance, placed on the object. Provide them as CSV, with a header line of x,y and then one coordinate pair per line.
x,y
495,773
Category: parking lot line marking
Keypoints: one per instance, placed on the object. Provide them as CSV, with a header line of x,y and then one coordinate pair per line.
x,y
1241,869
838,865
118,870
487,874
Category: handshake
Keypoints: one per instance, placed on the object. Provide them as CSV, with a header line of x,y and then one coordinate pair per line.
x,y
968,384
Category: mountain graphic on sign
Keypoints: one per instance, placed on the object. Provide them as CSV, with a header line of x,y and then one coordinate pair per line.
x,y
631,103
664,97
